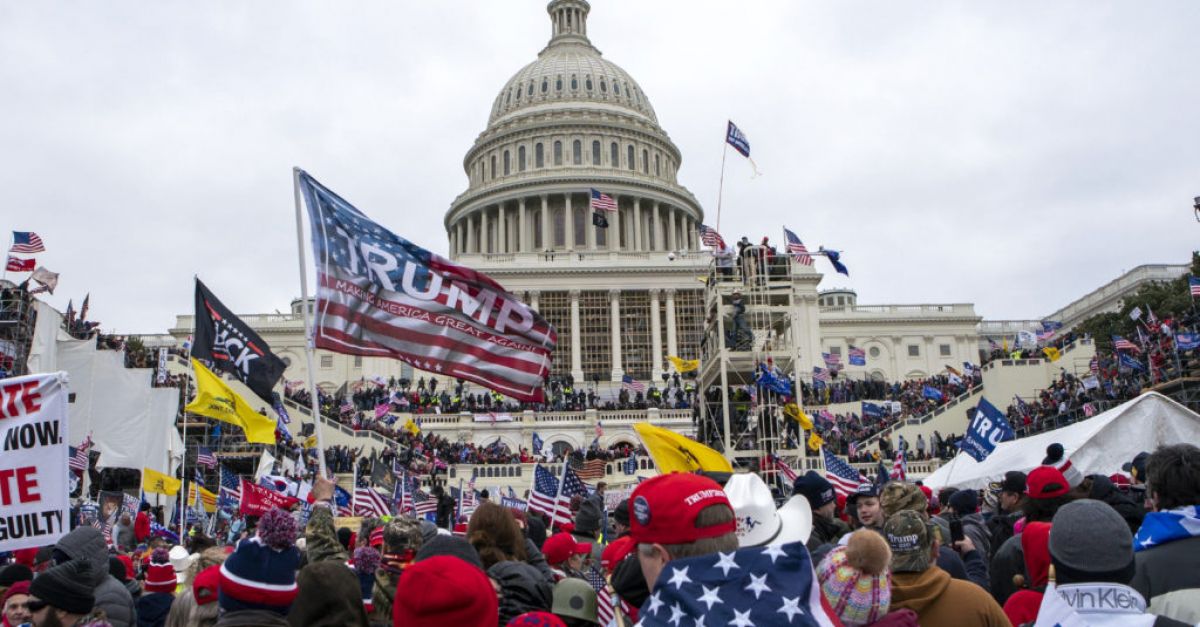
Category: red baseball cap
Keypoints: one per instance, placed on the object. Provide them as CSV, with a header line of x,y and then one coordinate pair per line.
x,y
204,586
1046,482
615,552
559,548
664,509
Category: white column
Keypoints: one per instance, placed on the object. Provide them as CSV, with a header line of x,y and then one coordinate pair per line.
x,y
471,234
637,224
453,242
672,241
589,229
655,227
656,367
485,242
614,299
533,300
523,238
576,340
547,236
569,222
614,229
502,230
672,346
462,245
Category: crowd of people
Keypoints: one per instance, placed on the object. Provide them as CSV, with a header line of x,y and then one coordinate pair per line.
x,y
1053,544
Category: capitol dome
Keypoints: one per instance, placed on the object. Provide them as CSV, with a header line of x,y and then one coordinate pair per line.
x,y
569,122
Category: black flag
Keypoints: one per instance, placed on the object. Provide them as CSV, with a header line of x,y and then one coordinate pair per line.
x,y
599,221
224,341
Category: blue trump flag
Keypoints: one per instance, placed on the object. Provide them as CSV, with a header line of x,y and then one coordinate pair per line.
x,y
537,443
988,428
932,393
734,137
772,382
1129,361
871,410
835,258
1187,341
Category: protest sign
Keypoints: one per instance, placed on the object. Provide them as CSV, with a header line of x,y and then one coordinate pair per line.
x,y
34,507
257,500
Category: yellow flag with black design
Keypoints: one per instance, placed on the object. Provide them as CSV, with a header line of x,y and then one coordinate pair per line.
x,y
158,483
1052,353
683,365
673,452
218,401
793,411
815,442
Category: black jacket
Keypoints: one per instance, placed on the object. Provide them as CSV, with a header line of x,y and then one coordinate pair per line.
x,y
522,589
1104,490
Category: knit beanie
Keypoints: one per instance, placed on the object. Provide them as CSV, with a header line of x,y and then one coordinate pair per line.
x,y
964,502
815,488
63,587
1090,542
587,520
854,578
443,591
366,560
452,546
536,619
1057,457
21,587
261,572
13,573
160,576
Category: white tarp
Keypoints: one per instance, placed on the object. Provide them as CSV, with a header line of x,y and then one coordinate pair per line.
x,y
1098,445
47,331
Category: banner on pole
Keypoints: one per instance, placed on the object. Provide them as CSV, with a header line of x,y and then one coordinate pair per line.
x,y
988,428
257,500
160,375
34,506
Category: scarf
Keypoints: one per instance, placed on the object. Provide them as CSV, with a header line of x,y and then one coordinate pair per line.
x,y
1163,527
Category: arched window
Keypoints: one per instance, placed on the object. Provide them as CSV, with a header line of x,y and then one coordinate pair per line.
x,y
558,83
574,83
507,164
588,83
517,92
629,158
657,170
530,92
508,100
614,155
603,86
616,88
539,156
596,152
557,153
577,152
545,85
493,166
645,162
521,158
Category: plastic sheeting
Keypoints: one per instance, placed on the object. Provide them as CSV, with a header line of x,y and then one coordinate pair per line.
x,y
1099,445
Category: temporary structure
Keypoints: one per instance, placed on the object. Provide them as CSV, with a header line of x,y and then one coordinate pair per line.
x,y
1098,445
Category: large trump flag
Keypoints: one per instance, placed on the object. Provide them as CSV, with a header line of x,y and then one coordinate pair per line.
x,y
381,295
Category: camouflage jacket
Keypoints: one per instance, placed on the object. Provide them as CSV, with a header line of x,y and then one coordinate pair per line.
x,y
321,537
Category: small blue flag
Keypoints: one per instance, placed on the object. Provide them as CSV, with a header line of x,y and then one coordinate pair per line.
x,y
1187,341
835,258
931,392
871,410
734,137
537,443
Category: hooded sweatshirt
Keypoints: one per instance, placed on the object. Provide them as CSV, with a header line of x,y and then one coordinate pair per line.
x,y
330,596
941,601
1022,606
87,544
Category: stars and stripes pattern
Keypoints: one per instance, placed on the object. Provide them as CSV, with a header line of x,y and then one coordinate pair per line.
x,y
900,467
16,264
601,201
710,237
773,585
796,249
629,383
423,310
1122,344
820,374
230,493
544,494
832,360
423,503
205,457
858,356
605,598
843,476
1193,286
27,242
79,455
590,470
785,470
369,502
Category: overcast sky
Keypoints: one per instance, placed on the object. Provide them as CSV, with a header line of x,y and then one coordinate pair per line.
x,y
1015,155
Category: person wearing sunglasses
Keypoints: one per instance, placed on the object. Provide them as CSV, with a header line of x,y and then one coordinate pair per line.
x,y
59,597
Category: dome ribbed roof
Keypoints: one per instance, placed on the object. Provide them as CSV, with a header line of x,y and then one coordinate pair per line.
x,y
570,71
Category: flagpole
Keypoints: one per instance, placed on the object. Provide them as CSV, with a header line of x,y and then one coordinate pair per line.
x,y
309,346
721,181
191,375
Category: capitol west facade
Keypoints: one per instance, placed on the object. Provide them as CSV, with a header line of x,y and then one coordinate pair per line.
x,y
623,298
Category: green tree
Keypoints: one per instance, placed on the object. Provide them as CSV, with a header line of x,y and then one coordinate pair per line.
x,y
1167,299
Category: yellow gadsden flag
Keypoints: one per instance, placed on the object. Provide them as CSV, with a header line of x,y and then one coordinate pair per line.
x,y
412,427
673,452
207,499
1052,353
793,411
216,400
815,442
158,483
683,365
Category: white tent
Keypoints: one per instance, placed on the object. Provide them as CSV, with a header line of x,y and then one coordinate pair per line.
x,y
1098,445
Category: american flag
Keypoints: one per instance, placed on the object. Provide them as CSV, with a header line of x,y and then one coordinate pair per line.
x,y
79,456
1094,365
843,476
26,242
347,407
1122,344
820,374
231,489
900,467
590,470
628,383
16,264
546,498
369,502
1193,286
832,360
785,470
423,503
858,356
797,249
205,457
425,310
710,237
772,585
602,201
605,604
382,409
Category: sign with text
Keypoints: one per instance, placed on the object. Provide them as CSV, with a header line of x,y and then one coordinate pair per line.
x,y
988,428
257,500
34,506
